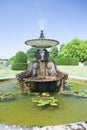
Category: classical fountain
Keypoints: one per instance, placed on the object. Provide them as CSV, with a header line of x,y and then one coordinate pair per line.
x,y
42,75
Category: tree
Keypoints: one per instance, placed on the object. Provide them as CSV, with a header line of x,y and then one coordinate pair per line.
x,y
20,61
76,48
11,60
53,53
31,52
62,45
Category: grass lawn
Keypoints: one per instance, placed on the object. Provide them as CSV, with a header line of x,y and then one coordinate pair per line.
x,y
8,73
80,71
71,70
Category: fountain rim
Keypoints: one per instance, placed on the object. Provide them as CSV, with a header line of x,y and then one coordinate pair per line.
x,y
55,42
69,77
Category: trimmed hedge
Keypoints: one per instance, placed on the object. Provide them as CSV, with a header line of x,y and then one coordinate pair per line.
x,y
20,61
66,61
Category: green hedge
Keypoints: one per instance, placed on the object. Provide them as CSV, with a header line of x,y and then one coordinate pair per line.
x,y
66,61
20,61
19,66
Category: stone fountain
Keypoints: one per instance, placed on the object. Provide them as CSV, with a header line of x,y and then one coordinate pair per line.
x,y
42,74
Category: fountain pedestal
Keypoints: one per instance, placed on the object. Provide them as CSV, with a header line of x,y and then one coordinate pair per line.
x,y
42,69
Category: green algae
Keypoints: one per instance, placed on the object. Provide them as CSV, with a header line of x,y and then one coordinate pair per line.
x,y
22,111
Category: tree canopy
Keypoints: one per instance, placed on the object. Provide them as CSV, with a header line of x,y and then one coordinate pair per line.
x,y
76,48
53,52
31,52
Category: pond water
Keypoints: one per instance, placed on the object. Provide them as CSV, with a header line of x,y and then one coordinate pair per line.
x,y
20,110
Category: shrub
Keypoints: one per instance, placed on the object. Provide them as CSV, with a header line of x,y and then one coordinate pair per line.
x,y
20,61
67,61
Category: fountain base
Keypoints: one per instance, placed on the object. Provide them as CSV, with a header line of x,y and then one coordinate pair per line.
x,y
41,83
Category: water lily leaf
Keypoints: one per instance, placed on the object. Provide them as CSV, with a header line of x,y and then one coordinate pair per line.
x,y
86,91
53,104
43,101
35,100
80,94
67,92
75,94
52,98
0,93
55,100
39,105
1,97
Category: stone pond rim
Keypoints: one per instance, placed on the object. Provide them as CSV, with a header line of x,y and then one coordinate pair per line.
x,y
42,42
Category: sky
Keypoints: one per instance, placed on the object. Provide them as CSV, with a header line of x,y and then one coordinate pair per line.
x,y
22,20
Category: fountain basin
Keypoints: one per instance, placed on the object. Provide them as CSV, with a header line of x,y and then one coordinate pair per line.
x,y
37,79
21,110
42,43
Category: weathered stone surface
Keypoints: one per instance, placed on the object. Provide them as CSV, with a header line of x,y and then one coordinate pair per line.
x,y
72,126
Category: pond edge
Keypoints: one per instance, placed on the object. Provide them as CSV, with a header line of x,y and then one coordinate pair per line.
x,y
74,126
71,126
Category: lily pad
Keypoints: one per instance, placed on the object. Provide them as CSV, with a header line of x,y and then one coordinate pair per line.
x,y
6,96
67,92
34,100
45,100
81,94
53,104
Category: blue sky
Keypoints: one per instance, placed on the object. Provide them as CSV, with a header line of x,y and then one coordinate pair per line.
x,y
21,20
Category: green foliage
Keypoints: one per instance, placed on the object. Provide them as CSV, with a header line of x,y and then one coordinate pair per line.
x,y
53,53
82,94
62,45
66,92
1,62
66,61
6,96
85,63
44,100
11,60
4,62
20,61
75,88
31,53
75,48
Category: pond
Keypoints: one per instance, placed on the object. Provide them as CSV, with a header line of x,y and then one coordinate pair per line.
x,y
20,110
